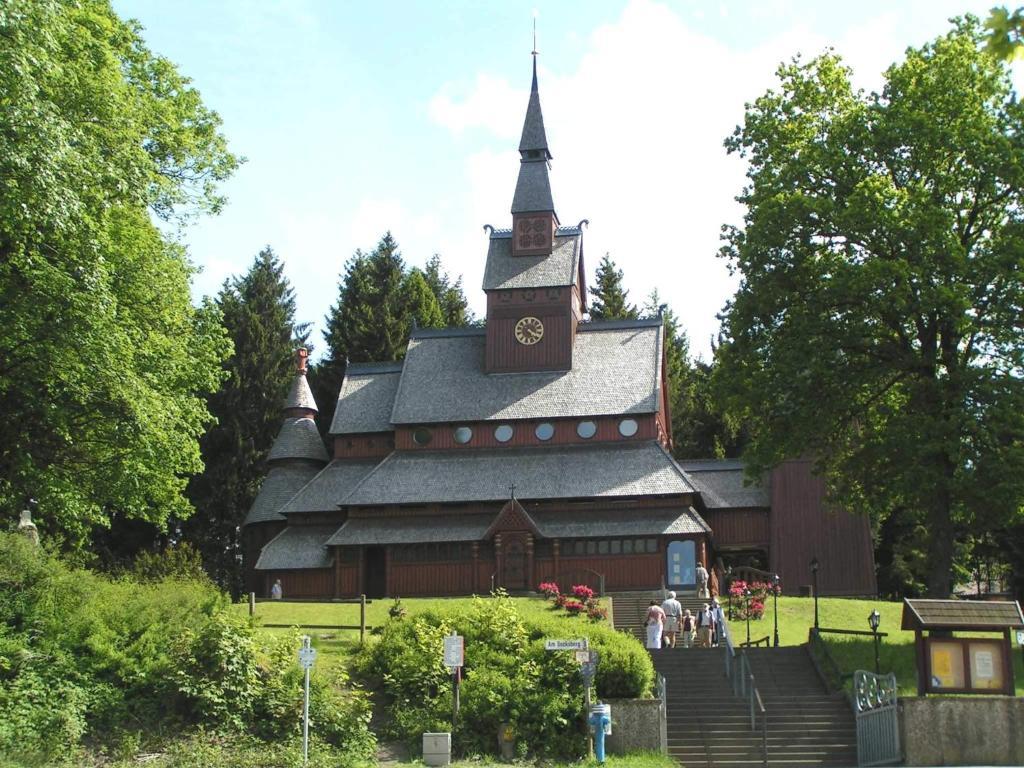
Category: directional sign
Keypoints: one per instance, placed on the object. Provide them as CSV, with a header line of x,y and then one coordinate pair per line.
x,y
1020,637
454,651
565,645
587,657
306,657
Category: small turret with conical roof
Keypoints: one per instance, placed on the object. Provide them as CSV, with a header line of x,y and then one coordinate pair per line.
x,y
533,209
298,452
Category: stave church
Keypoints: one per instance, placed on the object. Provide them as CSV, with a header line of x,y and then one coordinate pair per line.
x,y
536,448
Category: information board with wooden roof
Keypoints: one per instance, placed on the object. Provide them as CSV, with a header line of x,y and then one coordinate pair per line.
x,y
978,615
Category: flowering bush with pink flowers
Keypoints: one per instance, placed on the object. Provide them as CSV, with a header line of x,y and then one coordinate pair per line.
x,y
583,593
582,601
549,589
759,593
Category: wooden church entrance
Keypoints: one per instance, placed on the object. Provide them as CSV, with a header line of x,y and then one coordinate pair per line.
x,y
374,573
514,576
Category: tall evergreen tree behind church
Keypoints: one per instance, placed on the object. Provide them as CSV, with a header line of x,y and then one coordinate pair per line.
x,y
259,315
608,299
379,302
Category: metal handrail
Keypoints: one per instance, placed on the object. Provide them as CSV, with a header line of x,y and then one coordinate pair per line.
x,y
744,685
816,643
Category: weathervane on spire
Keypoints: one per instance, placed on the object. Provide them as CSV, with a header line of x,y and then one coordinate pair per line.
x,y
534,52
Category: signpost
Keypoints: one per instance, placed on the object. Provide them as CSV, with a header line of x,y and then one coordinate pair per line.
x,y
454,658
307,655
566,645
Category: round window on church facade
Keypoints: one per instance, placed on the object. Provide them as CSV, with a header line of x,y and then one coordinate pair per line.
x,y
462,435
628,427
586,429
503,433
544,431
422,436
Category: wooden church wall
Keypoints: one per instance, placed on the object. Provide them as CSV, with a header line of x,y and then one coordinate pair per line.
x,y
312,582
804,527
739,528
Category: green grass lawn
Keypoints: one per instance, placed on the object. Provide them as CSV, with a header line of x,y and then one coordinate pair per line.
x,y
896,653
337,646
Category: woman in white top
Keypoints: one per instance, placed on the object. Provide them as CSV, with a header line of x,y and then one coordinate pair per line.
x,y
655,623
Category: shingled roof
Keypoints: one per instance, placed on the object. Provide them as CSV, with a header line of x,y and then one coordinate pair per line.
x,y
298,439
992,615
620,522
616,370
723,484
279,486
560,268
297,547
411,529
300,395
548,472
366,398
326,490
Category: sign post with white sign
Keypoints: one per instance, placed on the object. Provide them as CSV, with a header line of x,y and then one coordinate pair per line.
x,y
307,655
587,659
566,645
454,655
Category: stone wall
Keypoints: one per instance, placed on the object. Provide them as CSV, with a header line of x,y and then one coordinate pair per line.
x,y
984,730
636,725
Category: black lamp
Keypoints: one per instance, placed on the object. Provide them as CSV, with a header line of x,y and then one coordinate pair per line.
x,y
814,576
775,601
746,594
874,619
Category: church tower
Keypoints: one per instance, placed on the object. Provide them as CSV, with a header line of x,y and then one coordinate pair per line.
x,y
534,278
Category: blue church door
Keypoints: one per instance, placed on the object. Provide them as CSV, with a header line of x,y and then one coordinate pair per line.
x,y
682,564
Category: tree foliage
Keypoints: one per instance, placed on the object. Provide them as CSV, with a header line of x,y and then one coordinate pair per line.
x,y
878,323
103,360
609,300
259,315
379,302
1006,32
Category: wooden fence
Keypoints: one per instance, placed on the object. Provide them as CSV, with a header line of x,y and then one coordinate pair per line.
x,y
361,601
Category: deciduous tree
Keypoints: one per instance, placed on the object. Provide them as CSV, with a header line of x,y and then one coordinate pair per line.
x,y
104,362
878,323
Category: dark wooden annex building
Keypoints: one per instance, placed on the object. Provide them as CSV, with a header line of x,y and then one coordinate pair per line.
x,y
534,449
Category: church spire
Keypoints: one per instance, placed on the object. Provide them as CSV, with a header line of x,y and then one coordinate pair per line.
x,y
533,207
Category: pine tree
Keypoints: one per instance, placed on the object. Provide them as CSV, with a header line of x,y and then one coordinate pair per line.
x,y
450,296
700,430
259,315
608,299
420,303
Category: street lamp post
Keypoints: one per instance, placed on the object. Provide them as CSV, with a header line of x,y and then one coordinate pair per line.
x,y
814,576
728,587
747,594
775,601
874,619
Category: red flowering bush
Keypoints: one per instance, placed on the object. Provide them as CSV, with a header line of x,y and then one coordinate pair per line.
x,y
575,607
595,612
549,589
583,593
759,593
561,601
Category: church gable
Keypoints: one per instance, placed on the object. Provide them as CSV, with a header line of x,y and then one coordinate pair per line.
x,y
512,517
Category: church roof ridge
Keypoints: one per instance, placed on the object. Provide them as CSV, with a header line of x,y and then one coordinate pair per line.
x,y
366,369
563,230
442,333
593,326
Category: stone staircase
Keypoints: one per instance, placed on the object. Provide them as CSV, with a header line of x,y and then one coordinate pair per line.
x,y
630,608
710,728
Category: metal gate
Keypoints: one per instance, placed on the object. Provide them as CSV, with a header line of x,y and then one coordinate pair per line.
x,y
878,731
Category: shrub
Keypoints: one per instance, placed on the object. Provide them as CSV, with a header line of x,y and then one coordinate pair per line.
x,y
397,610
508,677
82,655
759,592
549,590
583,593
575,607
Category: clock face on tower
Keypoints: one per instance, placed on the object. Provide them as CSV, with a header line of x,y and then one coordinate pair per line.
x,y
529,330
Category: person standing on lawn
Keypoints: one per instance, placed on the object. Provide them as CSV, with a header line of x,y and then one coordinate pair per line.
x,y
276,593
673,613
655,623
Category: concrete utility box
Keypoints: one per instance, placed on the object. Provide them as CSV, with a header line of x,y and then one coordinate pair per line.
x,y
437,748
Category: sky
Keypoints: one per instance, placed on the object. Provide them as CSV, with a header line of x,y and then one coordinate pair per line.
x,y
356,118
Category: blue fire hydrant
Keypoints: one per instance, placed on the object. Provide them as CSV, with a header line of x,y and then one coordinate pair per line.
x,y
600,722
